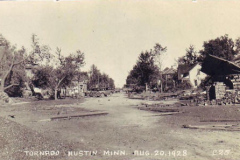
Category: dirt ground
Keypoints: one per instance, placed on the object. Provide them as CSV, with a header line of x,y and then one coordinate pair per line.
x,y
125,133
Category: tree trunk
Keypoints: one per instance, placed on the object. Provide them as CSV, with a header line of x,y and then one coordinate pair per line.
x,y
56,88
55,93
2,85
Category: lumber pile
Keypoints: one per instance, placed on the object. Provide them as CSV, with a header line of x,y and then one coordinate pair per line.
x,y
220,90
236,82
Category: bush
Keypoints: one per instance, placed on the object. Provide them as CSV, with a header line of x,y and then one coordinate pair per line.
x,y
184,85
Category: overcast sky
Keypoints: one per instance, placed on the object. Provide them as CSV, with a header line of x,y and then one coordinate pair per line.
x,y
113,33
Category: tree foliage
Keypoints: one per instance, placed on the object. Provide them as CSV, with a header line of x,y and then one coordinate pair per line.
x,y
55,77
222,47
98,80
11,65
39,53
144,72
191,56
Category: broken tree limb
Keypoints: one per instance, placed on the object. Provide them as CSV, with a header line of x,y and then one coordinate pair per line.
x,y
79,115
5,88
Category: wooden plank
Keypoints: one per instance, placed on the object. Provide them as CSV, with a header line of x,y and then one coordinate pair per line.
x,y
78,115
221,120
214,127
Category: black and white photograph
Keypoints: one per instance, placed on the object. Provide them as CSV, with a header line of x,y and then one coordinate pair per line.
x,y
119,79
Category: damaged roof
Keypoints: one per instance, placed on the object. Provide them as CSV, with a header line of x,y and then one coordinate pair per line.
x,y
213,65
183,69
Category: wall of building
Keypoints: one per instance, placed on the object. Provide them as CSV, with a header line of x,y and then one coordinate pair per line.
x,y
196,76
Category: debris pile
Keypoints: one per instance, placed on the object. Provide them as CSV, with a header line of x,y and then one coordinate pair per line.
x,y
4,98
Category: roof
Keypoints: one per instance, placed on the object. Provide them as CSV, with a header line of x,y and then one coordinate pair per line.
x,y
169,71
183,69
213,65
236,59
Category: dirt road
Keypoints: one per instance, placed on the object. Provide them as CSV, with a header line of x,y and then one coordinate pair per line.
x,y
144,135
127,133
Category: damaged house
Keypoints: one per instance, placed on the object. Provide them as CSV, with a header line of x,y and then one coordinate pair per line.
x,y
225,76
191,73
168,77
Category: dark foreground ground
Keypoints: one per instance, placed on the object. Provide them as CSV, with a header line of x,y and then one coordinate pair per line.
x,y
127,132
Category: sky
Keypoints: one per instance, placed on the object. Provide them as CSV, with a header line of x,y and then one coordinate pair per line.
x,y
112,33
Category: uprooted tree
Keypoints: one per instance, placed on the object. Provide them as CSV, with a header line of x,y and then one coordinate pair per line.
x,y
11,65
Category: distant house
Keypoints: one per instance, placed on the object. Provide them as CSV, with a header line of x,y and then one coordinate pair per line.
x,y
191,73
168,77
168,73
78,88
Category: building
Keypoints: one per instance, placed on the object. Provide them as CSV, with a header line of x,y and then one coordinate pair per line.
x,y
191,73
225,77
78,88
168,77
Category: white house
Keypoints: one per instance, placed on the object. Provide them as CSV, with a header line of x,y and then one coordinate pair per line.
x,y
191,73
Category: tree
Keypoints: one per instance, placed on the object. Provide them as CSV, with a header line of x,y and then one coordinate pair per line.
x,y
158,53
190,58
111,83
94,77
40,53
148,67
222,47
144,72
104,81
99,80
61,75
11,60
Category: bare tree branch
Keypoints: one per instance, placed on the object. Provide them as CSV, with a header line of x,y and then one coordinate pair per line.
x,y
11,86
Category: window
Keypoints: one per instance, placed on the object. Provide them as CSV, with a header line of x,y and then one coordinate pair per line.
x,y
195,81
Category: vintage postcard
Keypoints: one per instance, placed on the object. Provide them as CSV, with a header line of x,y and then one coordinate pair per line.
x,y
119,79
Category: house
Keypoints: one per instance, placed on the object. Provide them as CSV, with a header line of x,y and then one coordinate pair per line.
x,y
168,77
168,73
78,88
191,73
